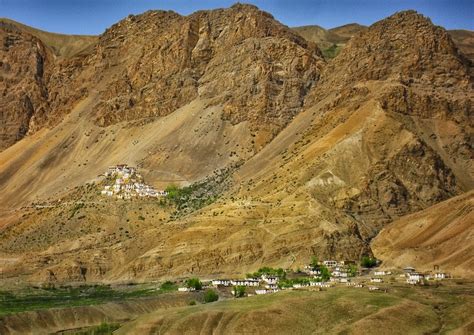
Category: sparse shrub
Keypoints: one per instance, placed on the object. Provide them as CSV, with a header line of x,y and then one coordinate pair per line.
x,y
194,283
168,286
239,291
368,262
210,296
192,303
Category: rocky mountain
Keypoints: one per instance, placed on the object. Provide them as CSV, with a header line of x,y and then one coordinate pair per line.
x,y
154,63
24,62
288,155
30,61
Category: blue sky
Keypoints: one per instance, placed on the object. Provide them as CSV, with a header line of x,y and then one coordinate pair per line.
x,y
94,16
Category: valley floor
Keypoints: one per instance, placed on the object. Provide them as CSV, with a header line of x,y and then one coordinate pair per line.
x,y
446,308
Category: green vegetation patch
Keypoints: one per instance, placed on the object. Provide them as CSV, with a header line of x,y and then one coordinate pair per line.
x,y
102,329
210,296
44,298
331,52
200,194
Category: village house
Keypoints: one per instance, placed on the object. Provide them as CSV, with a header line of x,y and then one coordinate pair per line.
x,y
381,273
245,282
319,284
311,270
266,291
269,279
373,288
300,285
376,280
221,282
339,273
409,269
271,286
186,289
330,264
441,275
415,278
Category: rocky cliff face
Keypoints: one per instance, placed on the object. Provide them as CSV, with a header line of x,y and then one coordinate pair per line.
x,y
37,72
239,57
24,65
421,81
152,64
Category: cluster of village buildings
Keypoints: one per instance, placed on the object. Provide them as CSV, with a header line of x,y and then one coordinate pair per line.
x,y
340,272
125,182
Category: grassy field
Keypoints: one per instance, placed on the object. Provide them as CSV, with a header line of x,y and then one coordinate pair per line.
x,y
402,310
32,298
435,309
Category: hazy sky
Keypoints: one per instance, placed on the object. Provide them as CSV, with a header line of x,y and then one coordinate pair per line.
x,y
94,16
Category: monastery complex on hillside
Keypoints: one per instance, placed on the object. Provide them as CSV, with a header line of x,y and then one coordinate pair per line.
x,y
124,182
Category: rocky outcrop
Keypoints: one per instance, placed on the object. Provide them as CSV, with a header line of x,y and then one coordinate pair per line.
x,y
152,64
239,57
415,73
24,65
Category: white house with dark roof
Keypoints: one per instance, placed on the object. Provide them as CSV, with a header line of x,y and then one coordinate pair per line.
x,y
245,282
221,282
415,278
441,275
330,263
376,280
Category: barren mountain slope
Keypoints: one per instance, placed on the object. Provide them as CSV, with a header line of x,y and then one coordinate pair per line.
x,y
322,37
63,46
154,63
359,158
384,132
464,39
439,235
214,65
162,61
330,41
348,30
237,76
339,36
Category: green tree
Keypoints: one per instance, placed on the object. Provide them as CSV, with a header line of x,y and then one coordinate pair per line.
x,y
314,262
368,262
239,291
325,274
194,283
352,270
172,192
210,296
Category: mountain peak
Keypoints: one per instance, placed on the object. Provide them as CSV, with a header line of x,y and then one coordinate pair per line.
x,y
405,45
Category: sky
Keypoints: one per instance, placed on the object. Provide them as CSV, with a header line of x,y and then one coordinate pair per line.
x,y
92,17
